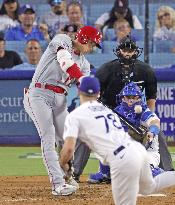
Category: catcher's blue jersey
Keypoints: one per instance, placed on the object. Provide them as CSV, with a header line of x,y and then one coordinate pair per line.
x,y
136,118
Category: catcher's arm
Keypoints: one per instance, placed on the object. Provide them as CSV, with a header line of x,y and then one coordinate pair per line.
x,y
149,134
153,130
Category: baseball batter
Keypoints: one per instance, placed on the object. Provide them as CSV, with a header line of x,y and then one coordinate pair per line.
x,y
62,64
101,130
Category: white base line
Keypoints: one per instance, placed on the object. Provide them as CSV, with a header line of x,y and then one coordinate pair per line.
x,y
20,199
30,199
153,195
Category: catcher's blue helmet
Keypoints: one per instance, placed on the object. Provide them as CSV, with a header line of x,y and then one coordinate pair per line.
x,y
131,89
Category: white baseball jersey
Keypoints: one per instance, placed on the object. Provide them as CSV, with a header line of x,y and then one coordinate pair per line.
x,y
101,130
92,122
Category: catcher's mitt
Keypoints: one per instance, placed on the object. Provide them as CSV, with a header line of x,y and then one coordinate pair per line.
x,y
138,137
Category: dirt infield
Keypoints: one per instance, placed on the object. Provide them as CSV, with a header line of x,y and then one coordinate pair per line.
x,y
36,191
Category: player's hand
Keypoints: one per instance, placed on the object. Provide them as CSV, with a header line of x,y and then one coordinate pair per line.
x,y
68,169
65,167
150,136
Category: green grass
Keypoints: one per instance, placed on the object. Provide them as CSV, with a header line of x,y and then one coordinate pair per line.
x,y
26,161
12,164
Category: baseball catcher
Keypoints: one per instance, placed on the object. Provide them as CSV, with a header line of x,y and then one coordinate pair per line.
x,y
136,111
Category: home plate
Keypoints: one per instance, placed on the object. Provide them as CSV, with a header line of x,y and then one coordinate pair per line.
x,y
153,195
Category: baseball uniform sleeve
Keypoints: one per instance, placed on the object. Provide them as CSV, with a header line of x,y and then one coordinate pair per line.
x,y
61,40
71,127
148,116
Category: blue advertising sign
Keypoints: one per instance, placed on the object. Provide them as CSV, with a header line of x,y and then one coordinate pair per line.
x,y
18,127
165,109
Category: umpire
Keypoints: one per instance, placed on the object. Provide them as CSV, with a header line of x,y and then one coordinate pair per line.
x,y
114,75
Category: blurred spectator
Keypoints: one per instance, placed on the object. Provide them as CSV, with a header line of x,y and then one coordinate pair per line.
x,y
122,29
26,30
165,24
75,16
56,18
33,54
9,14
70,30
120,10
8,59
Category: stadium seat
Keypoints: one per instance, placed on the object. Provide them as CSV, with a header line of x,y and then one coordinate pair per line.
x,y
91,20
138,33
163,46
162,60
108,46
98,59
96,10
110,34
33,2
141,19
19,46
42,9
44,45
23,56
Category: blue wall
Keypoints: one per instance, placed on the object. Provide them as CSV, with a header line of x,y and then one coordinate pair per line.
x,y
17,128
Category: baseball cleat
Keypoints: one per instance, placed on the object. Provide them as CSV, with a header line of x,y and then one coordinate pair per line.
x,y
64,190
98,178
73,182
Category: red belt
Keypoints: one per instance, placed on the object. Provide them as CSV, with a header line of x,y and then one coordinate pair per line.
x,y
55,89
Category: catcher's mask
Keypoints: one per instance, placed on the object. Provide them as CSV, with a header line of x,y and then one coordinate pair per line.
x,y
127,45
131,95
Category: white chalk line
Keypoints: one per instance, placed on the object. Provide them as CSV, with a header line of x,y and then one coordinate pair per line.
x,y
152,195
20,199
33,199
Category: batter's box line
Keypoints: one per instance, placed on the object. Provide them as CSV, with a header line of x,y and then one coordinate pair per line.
x,y
152,195
20,199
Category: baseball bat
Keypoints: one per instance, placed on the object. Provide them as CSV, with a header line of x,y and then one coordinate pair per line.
x,y
141,131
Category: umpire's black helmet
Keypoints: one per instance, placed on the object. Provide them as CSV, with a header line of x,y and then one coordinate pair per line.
x,y
127,44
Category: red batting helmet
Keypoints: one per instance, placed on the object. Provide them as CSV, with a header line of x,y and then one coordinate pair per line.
x,y
89,33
